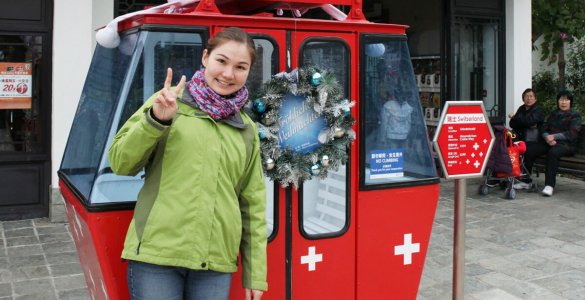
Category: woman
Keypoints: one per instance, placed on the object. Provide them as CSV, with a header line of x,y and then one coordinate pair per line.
x,y
204,197
559,139
528,119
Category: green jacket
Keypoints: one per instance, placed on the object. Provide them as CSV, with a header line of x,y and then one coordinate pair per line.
x,y
204,193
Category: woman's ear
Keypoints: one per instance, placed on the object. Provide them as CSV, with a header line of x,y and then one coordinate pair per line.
x,y
204,58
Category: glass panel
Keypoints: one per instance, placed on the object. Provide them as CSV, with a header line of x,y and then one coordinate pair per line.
x,y
324,200
20,96
396,145
330,55
265,66
91,123
475,46
325,203
126,75
156,52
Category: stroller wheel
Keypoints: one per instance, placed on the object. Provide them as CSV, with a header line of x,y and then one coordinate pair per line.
x,y
510,193
483,189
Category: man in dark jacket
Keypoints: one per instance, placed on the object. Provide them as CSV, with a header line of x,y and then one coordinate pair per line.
x,y
527,126
528,119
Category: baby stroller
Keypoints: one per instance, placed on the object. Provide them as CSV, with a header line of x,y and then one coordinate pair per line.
x,y
505,166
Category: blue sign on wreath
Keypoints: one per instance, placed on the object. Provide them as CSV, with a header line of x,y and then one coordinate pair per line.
x,y
300,125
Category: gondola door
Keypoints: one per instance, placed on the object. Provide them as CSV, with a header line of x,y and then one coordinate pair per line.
x,y
270,59
319,237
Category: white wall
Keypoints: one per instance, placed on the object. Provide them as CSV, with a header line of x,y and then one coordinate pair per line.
x,y
518,51
74,27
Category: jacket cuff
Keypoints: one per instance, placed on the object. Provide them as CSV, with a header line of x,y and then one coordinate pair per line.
x,y
255,285
155,122
152,126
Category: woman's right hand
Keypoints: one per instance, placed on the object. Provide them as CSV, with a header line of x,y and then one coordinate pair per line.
x,y
165,105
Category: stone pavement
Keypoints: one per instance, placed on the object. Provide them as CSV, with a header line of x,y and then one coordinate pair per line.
x,y
532,247
38,261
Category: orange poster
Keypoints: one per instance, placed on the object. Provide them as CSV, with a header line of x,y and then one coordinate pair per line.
x,y
15,85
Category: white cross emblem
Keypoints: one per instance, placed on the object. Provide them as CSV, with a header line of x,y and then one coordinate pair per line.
x,y
407,249
475,146
312,259
485,141
467,161
472,154
476,164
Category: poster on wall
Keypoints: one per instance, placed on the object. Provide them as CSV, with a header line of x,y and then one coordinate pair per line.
x,y
15,85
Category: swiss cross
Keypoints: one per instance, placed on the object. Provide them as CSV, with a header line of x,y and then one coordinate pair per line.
x,y
407,249
463,139
312,259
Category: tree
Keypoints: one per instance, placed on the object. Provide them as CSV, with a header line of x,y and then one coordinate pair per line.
x,y
558,22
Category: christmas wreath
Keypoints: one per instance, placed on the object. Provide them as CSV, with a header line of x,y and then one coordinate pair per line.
x,y
320,107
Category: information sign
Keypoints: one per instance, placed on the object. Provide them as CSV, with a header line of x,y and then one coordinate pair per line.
x,y
463,139
15,85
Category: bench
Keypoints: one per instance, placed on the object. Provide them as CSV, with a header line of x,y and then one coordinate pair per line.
x,y
574,165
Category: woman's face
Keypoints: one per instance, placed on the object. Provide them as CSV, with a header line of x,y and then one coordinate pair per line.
x,y
564,104
529,99
227,67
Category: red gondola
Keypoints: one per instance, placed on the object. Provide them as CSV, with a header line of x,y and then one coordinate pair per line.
x,y
362,233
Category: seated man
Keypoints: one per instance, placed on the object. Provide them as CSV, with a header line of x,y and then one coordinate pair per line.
x,y
559,139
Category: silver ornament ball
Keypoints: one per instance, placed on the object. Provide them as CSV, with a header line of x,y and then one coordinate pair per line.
x,y
269,163
338,132
325,160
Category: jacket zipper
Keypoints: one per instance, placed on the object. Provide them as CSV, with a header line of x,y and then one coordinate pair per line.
x,y
138,248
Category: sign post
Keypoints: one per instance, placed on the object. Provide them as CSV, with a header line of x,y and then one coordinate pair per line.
x,y
463,141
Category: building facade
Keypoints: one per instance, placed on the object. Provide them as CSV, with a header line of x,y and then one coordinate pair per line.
x,y
461,50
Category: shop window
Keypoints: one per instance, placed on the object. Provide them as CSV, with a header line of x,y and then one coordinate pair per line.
x,y
325,201
476,66
395,146
20,94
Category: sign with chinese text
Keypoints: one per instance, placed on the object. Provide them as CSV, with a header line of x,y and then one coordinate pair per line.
x,y
386,164
463,139
15,85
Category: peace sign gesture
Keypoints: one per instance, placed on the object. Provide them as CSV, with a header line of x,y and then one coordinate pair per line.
x,y
165,105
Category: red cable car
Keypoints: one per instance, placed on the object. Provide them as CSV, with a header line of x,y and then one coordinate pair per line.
x,y
361,233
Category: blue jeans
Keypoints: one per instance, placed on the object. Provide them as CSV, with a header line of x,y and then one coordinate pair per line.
x,y
154,282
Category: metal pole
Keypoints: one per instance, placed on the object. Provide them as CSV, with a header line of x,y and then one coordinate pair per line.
x,y
459,239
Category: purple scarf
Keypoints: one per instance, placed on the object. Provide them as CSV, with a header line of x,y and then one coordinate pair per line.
x,y
214,104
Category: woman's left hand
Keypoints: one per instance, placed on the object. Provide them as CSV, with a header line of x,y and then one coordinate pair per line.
x,y
253,294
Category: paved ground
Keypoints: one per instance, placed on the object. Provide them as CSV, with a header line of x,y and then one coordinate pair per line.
x,y
532,247
529,248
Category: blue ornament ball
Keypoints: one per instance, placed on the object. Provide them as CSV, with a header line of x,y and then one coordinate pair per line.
x,y
316,79
346,111
261,133
259,106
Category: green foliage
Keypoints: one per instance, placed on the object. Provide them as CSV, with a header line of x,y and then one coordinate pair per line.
x,y
576,68
546,85
557,22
